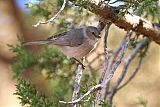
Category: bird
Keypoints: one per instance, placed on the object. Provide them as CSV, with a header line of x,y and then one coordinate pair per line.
x,y
76,43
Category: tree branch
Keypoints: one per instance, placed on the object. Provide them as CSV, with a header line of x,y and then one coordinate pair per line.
x,y
53,18
132,75
134,71
113,67
128,22
77,82
126,64
105,53
105,57
93,89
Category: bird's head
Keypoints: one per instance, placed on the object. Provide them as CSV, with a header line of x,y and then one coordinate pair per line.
x,y
92,32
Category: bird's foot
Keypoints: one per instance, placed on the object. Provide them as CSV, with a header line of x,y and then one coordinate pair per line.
x,y
83,66
80,63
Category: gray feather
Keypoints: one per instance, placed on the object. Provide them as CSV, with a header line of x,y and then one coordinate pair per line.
x,y
72,38
37,42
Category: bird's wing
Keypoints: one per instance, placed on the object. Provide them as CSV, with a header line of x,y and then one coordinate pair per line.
x,y
37,42
50,40
71,38
58,35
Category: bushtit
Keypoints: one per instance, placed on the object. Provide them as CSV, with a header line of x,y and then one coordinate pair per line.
x,y
76,43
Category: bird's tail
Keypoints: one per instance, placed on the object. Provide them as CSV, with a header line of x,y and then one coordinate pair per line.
x,y
37,42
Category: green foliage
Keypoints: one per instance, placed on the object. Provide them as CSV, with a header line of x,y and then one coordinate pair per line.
x,y
142,101
44,8
50,63
81,4
53,60
105,104
29,96
72,16
90,99
23,59
145,8
132,42
50,59
58,70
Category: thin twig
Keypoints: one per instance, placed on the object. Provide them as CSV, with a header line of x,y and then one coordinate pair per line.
x,y
77,82
115,53
125,67
105,58
115,65
105,53
93,89
132,75
53,18
111,60
134,71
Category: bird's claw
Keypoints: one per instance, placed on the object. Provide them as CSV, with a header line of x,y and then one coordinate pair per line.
x,y
83,66
80,63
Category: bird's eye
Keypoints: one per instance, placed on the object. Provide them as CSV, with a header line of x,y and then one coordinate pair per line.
x,y
93,33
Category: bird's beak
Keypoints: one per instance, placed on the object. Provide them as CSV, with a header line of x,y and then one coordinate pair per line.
x,y
99,36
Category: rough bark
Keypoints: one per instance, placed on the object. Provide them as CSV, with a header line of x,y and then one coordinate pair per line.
x,y
128,22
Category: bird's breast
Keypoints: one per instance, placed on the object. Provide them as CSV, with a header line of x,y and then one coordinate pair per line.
x,y
79,51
